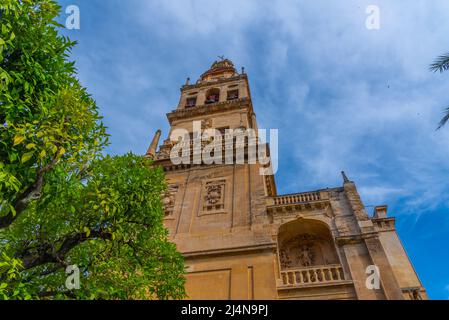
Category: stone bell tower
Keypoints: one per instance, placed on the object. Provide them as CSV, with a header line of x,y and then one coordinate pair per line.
x,y
243,241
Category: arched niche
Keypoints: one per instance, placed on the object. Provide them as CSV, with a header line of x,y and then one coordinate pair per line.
x,y
212,95
306,243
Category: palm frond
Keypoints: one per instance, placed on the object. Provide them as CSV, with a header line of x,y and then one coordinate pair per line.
x,y
445,118
441,63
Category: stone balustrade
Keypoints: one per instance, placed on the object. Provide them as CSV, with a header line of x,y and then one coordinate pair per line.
x,y
312,275
297,198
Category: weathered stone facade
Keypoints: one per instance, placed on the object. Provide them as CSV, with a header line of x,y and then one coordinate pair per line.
x,y
243,241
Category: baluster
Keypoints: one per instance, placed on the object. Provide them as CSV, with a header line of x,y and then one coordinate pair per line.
x,y
332,270
341,274
314,275
306,278
297,281
320,275
301,278
337,274
328,274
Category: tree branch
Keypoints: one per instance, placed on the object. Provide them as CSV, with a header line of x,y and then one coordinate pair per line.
x,y
47,254
30,194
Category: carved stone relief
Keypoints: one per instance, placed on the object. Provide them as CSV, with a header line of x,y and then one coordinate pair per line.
x,y
206,124
306,255
169,199
214,196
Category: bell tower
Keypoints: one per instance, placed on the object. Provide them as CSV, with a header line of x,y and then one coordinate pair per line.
x,y
218,209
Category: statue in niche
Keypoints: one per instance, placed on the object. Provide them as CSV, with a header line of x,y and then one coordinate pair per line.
x,y
285,259
306,255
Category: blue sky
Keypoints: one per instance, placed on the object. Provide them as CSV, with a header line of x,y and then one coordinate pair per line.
x,y
343,97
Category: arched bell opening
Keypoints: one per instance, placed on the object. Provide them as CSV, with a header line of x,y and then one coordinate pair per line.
x,y
212,96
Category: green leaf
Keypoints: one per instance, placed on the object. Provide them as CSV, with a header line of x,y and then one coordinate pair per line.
x,y
27,156
18,140
13,210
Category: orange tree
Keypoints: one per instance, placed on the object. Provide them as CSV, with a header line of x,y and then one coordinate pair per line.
x,y
61,202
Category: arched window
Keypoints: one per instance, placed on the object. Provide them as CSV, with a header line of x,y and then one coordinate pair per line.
x,y
233,94
212,96
190,102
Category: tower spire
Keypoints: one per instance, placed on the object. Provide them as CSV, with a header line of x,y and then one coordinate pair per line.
x,y
345,177
151,152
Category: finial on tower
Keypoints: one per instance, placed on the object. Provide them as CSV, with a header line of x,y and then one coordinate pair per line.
x,y
223,68
151,152
243,70
345,177
188,81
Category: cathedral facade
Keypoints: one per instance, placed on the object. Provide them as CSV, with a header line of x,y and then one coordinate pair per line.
x,y
242,240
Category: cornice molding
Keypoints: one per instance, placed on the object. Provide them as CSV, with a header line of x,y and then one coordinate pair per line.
x,y
209,109
212,83
232,250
